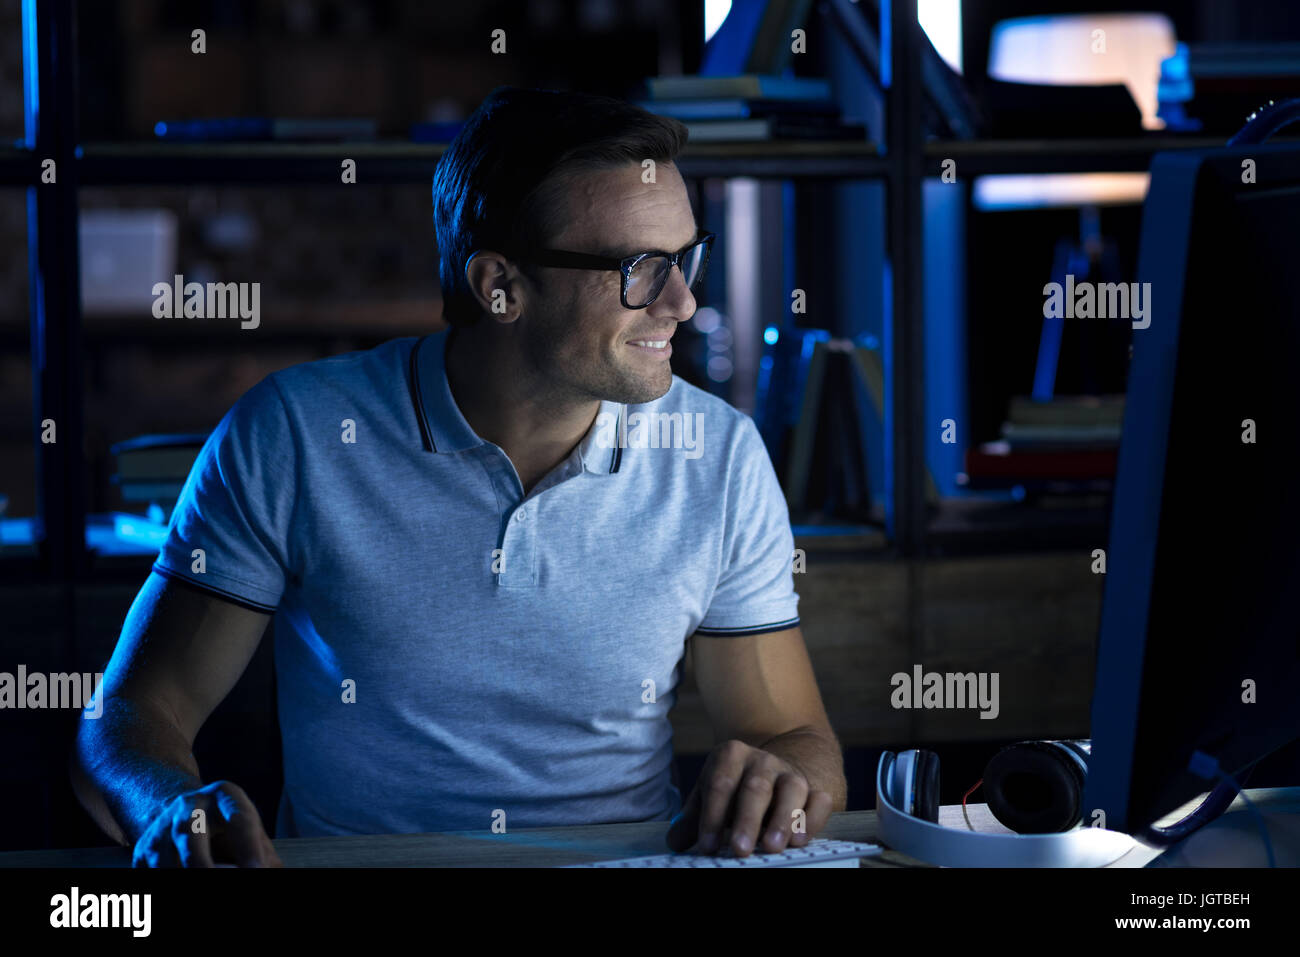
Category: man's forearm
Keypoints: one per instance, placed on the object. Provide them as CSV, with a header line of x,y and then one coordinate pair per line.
x,y
818,757
127,764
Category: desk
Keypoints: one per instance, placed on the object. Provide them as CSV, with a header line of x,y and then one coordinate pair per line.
x,y
533,847
551,846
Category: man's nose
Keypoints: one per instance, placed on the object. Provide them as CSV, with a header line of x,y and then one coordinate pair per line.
x,y
677,295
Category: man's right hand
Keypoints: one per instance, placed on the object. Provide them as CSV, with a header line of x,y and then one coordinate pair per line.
x,y
229,831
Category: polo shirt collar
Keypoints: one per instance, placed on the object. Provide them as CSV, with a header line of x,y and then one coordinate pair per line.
x,y
600,449
443,428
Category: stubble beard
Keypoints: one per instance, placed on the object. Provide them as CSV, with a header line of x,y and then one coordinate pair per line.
x,y
612,381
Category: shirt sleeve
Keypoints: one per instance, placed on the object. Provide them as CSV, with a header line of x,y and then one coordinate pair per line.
x,y
755,591
229,533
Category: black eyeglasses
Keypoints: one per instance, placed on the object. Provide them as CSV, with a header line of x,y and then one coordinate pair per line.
x,y
644,275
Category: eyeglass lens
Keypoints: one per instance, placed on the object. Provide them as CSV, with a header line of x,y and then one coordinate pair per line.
x,y
647,278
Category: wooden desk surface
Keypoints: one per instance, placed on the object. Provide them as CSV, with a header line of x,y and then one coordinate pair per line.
x,y
1232,840
536,847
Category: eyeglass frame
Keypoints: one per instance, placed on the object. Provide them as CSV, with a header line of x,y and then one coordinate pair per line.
x,y
624,265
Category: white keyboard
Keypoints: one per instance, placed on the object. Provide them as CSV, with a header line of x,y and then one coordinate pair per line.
x,y
819,852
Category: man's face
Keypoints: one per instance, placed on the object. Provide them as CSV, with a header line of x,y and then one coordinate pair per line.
x,y
574,328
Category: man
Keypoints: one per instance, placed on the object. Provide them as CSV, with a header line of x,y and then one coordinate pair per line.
x,y
487,548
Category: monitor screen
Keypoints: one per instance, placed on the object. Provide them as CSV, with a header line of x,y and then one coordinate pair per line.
x,y
1199,648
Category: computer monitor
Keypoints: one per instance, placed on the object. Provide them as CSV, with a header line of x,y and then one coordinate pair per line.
x,y
1199,649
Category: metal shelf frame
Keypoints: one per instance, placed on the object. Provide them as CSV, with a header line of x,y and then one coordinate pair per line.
x,y
50,126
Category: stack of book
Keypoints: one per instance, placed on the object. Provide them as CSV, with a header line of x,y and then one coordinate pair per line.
x,y
1070,443
153,468
750,108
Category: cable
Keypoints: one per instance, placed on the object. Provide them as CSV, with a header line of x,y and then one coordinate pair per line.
x,y
974,788
1225,789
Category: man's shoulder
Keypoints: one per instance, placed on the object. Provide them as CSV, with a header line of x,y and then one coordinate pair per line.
x,y
364,382
368,369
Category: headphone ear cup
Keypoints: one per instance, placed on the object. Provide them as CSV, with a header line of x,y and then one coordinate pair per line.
x,y
1035,787
925,787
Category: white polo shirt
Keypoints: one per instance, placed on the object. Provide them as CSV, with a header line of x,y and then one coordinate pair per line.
x,y
448,650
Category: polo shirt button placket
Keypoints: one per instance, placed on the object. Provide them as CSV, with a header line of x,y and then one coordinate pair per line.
x,y
520,544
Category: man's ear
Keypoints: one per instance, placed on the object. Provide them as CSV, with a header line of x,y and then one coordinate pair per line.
x,y
496,284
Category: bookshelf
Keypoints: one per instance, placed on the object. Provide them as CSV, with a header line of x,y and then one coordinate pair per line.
x,y
901,162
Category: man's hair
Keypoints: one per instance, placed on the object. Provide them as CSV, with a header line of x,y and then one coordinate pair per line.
x,y
500,183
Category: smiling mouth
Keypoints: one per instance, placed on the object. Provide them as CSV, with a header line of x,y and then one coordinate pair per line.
x,y
657,344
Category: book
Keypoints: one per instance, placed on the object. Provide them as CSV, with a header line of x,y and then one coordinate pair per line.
x,y
745,85
949,109
738,108
156,458
1018,433
137,491
771,128
159,464
770,50
245,128
1080,410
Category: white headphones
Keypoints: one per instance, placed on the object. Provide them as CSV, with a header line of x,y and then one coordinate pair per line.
x,y
908,782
